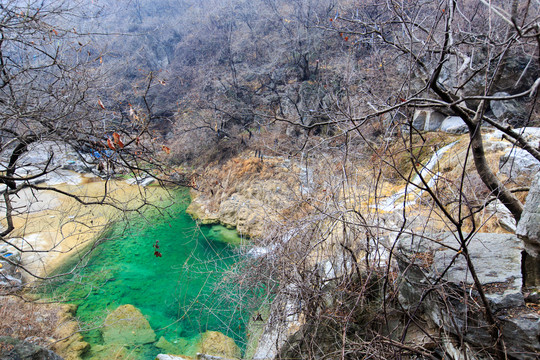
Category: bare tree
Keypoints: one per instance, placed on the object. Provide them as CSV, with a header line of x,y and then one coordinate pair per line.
x,y
51,103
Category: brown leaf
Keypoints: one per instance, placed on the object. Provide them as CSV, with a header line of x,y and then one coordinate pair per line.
x,y
110,144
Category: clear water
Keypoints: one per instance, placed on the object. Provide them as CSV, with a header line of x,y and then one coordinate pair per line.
x,y
180,293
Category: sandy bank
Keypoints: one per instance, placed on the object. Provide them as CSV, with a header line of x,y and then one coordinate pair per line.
x,y
50,227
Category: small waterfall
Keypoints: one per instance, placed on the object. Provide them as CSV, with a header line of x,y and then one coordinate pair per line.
x,y
400,199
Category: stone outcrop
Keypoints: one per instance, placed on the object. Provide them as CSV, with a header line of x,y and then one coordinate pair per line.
x,y
127,326
71,345
249,193
528,228
454,125
427,120
438,284
510,110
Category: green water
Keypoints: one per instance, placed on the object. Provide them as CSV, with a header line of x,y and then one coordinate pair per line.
x,y
180,293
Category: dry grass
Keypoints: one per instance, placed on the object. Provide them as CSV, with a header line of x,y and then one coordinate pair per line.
x,y
27,320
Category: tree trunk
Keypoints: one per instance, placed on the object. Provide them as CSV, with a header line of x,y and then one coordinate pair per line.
x,y
488,177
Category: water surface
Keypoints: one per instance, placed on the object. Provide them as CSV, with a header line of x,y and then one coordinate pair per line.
x,y
179,292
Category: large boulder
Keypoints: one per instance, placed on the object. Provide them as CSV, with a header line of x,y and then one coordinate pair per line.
x,y
512,111
528,230
217,344
127,326
437,283
454,125
516,162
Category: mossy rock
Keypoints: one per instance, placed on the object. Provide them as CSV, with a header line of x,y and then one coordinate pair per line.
x,y
217,344
127,326
229,236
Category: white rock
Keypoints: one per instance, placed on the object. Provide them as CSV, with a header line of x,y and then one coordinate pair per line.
x,y
517,161
454,125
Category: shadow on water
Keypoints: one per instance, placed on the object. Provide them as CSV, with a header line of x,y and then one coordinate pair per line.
x,y
180,292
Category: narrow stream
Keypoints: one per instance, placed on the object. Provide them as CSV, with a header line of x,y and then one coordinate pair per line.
x,y
178,290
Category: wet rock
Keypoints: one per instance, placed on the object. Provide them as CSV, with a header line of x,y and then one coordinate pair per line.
x,y
180,346
127,326
452,301
21,350
112,351
217,344
171,357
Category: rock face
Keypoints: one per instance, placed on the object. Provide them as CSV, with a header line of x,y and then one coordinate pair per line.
x,y
251,192
73,345
22,350
528,228
438,284
508,110
127,326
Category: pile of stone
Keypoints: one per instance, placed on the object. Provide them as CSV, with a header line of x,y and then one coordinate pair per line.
x,y
10,274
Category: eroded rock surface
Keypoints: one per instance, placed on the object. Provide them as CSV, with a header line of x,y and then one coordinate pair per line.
x,y
438,284
528,228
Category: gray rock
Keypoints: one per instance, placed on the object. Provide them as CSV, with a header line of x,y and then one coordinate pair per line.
x,y
510,110
170,357
10,276
427,120
528,228
503,215
454,125
21,350
517,161
437,282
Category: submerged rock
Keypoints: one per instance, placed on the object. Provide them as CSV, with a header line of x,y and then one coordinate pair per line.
x,y
127,326
217,344
171,357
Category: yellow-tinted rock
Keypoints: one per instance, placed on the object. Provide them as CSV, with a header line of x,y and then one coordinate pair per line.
x,y
218,344
127,326
72,346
